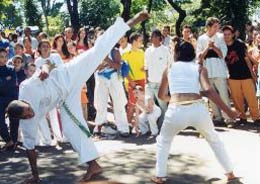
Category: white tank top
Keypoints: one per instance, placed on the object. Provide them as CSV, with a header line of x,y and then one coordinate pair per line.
x,y
183,77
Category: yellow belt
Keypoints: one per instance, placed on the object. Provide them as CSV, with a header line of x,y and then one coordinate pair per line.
x,y
187,102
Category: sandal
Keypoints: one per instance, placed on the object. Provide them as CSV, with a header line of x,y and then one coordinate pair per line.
x,y
158,180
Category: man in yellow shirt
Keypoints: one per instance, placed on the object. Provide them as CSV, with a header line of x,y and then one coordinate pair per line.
x,y
135,59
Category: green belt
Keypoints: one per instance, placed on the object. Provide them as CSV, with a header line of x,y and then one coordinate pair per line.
x,y
76,121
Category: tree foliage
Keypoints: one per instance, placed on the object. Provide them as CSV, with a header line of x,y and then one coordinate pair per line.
x,y
32,13
234,12
10,16
100,13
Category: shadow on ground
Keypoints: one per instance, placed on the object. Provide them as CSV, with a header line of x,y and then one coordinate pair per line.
x,y
127,166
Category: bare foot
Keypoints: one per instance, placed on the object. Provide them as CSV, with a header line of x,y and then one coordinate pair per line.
x,y
94,169
158,180
32,180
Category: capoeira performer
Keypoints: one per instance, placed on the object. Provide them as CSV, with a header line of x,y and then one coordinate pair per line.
x,y
147,113
63,85
108,84
186,108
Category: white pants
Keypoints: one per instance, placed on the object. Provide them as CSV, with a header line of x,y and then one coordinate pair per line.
x,y
44,133
55,125
177,118
149,120
220,85
64,84
114,87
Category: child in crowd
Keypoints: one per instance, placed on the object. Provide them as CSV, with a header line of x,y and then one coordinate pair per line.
x,y
147,113
29,69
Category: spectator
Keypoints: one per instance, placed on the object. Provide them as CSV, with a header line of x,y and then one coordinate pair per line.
x,y
157,59
7,94
29,69
4,43
68,34
124,45
166,35
42,36
187,35
240,80
109,84
19,50
82,40
135,59
60,46
46,56
147,113
28,49
27,33
211,51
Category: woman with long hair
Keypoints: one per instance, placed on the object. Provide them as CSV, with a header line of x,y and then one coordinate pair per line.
x,y
82,40
60,46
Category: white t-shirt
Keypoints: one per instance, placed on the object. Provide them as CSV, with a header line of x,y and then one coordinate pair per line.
x,y
54,58
126,49
216,66
167,41
156,61
34,42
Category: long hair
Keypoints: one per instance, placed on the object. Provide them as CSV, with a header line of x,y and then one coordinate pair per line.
x,y
85,41
64,47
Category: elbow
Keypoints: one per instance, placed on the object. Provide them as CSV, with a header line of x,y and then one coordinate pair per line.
x,y
160,96
208,92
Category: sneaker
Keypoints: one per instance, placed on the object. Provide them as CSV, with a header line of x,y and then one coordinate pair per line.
x,y
242,121
219,123
124,134
257,123
230,123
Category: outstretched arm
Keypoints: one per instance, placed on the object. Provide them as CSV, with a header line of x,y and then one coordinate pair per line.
x,y
213,95
92,58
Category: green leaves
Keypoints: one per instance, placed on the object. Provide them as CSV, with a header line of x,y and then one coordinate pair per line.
x,y
99,12
32,14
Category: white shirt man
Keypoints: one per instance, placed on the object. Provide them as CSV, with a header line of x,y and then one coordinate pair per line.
x,y
216,66
157,59
211,51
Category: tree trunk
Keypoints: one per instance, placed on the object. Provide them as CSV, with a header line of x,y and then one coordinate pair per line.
x,y
182,15
47,24
127,9
46,9
74,14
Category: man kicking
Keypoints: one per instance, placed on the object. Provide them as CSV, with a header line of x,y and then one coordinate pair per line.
x,y
45,89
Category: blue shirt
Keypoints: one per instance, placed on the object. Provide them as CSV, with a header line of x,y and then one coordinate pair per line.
x,y
7,86
4,43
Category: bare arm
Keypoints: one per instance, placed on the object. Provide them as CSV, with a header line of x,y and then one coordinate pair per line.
x,y
218,51
213,95
116,63
163,90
